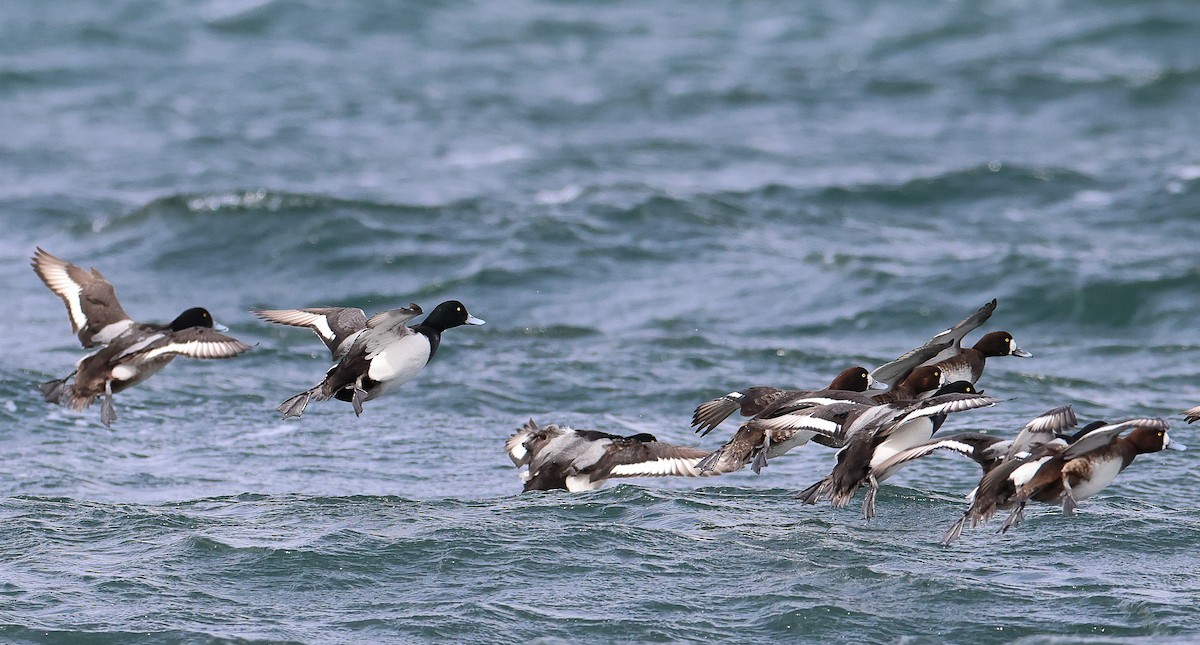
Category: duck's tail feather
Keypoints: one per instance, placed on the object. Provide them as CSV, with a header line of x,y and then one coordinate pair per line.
x,y
73,398
726,459
813,494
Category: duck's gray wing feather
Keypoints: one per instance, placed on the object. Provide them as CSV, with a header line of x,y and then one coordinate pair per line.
x,y
1192,415
386,327
1103,435
948,344
333,325
96,315
1042,428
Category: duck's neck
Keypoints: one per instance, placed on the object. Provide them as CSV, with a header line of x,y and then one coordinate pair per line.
x,y
433,334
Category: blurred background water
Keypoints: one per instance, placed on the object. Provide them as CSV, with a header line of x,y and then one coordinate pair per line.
x,y
651,204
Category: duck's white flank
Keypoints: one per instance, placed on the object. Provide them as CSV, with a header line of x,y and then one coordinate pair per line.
x,y
399,361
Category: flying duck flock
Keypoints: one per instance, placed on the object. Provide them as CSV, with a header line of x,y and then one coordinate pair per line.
x,y
879,421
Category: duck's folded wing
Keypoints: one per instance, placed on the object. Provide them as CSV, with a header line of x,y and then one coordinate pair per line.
x,y
654,459
1192,415
1042,428
333,325
194,342
96,314
1103,435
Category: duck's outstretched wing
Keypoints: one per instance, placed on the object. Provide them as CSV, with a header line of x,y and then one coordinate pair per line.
x,y
890,374
948,343
634,458
708,415
335,326
194,342
1042,428
1103,435
977,446
96,314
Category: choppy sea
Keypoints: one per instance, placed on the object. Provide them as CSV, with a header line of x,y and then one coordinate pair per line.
x,y
651,204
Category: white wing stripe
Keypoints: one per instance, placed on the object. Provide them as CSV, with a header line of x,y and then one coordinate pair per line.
x,y
674,467
198,349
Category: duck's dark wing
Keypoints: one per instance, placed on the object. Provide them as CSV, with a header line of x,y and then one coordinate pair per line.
x,y
892,373
1104,435
1045,427
194,342
948,344
96,314
710,414
633,458
333,325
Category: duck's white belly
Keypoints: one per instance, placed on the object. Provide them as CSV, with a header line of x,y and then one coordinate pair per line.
x,y
581,483
399,362
910,434
1103,474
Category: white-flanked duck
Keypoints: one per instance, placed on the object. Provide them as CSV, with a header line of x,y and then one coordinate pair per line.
x,y
765,400
1097,453
874,438
383,356
1089,464
132,351
560,457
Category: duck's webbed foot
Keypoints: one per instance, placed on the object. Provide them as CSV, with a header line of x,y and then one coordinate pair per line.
x,y
360,395
108,413
869,498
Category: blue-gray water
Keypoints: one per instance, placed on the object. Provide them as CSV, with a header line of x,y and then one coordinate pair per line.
x,y
651,204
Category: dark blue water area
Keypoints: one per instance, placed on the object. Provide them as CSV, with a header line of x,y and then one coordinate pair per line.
x,y
651,205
